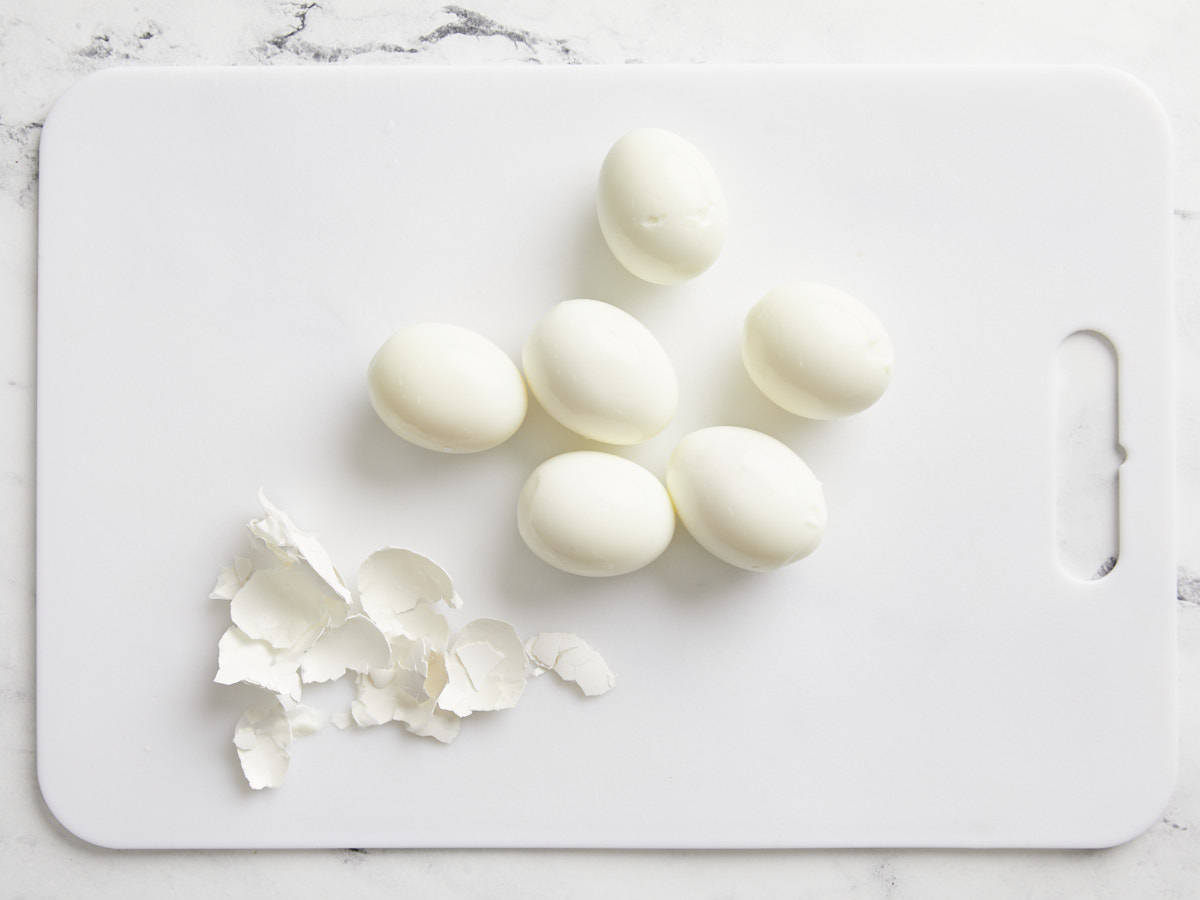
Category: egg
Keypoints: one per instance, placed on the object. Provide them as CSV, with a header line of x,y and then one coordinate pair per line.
x,y
595,514
600,372
746,498
816,351
661,207
446,388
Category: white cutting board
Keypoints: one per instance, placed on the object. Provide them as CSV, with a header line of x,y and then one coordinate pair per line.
x,y
223,250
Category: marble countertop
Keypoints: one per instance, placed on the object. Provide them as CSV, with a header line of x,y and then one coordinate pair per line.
x,y
44,48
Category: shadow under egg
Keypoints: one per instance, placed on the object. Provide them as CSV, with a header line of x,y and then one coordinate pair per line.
x,y
688,576
598,275
738,401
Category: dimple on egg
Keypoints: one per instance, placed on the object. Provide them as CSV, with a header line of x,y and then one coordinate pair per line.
x,y
595,514
446,388
746,498
661,207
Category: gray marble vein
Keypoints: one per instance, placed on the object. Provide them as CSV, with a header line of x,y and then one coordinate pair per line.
x,y
19,143
1189,587
464,23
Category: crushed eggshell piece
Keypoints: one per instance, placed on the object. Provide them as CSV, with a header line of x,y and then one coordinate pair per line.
x,y
291,544
377,702
427,720
231,578
262,736
435,677
392,582
356,645
571,658
423,622
305,720
410,667
478,660
286,607
378,706
500,686
381,692
242,659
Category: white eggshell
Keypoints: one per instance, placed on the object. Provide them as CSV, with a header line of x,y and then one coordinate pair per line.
x,y
600,372
816,351
661,207
746,498
595,514
446,388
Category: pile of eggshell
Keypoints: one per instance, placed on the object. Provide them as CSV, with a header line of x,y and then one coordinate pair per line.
x,y
743,495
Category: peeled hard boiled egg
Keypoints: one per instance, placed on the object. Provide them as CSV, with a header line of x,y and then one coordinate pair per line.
x,y
595,514
816,351
746,498
661,207
600,372
446,388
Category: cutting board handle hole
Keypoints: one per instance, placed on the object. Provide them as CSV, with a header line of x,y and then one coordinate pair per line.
x,y
1088,455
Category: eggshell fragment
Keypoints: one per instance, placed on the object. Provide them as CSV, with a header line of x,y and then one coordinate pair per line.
x,y
430,721
290,544
393,581
746,498
595,514
356,645
571,658
445,388
286,606
381,698
427,719
241,658
600,372
304,720
478,660
816,351
485,669
409,667
661,207
262,737
374,704
424,623
231,578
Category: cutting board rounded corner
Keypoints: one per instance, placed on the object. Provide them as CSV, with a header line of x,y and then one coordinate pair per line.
x,y
1132,821
73,817
1140,97
78,97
